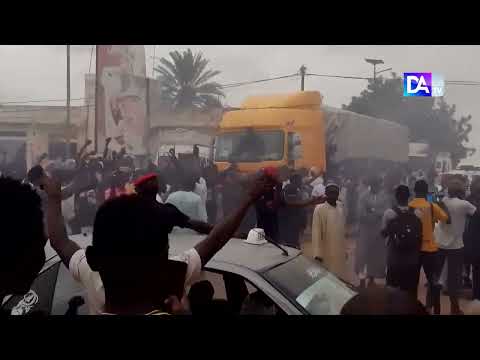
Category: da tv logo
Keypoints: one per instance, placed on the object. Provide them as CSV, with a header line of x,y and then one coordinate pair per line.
x,y
423,84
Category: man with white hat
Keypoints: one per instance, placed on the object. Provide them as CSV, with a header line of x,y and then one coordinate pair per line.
x,y
328,233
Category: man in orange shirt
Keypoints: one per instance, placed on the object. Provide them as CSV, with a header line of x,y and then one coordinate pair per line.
x,y
429,259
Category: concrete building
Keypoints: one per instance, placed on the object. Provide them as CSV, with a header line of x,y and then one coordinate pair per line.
x,y
27,132
183,130
165,128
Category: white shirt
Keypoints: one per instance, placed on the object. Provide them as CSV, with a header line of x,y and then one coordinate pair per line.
x,y
201,190
317,181
450,236
188,203
93,284
318,190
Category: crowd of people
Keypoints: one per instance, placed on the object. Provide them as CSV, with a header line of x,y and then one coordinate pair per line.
x,y
131,212
402,230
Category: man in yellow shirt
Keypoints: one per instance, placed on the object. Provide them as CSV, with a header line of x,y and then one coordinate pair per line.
x,y
429,259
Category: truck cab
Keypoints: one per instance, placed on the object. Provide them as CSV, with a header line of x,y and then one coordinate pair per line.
x,y
276,130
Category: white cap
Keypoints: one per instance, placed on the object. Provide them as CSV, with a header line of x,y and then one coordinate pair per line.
x,y
256,237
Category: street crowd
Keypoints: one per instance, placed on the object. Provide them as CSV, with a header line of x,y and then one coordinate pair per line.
x,y
400,227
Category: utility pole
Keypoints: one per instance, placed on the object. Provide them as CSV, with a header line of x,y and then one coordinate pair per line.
x,y
97,103
303,70
376,62
67,142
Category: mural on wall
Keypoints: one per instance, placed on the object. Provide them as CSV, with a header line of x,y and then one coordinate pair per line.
x,y
121,97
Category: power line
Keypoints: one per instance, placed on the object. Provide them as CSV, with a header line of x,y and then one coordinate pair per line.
x,y
231,85
340,76
38,101
88,102
458,83
62,108
465,81
226,86
449,82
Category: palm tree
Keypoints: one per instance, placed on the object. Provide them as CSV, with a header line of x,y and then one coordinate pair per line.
x,y
185,81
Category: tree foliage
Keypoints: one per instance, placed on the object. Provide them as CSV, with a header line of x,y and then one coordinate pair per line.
x,y
429,119
186,82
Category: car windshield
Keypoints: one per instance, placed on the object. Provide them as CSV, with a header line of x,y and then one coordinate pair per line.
x,y
250,146
312,287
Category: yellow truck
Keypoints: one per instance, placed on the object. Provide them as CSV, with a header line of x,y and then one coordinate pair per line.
x,y
298,131
274,130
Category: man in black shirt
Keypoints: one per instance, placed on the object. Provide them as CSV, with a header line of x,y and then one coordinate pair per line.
x,y
292,220
267,206
148,187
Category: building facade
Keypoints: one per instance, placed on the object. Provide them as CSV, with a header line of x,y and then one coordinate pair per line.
x,y
27,132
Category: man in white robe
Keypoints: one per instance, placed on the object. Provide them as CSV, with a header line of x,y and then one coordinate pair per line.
x,y
328,233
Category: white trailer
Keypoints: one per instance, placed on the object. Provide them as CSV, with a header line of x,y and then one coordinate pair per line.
x,y
362,137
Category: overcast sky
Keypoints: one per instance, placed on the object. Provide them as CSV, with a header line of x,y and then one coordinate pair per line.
x,y
38,72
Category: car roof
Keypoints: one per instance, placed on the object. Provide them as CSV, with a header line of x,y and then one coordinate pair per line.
x,y
236,252
257,258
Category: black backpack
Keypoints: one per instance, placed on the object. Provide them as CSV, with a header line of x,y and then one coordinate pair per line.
x,y
405,231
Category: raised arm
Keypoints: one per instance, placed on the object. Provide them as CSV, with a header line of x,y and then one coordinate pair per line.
x,y
280,198
199,226
59,240
305,203
105,150
441,213
223,231
79,155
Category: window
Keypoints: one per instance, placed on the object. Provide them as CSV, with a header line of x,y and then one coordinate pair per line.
x,y
239,295
13,154
58,149
250,146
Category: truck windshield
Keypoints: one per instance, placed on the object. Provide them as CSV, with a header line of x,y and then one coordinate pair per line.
x,y
250,146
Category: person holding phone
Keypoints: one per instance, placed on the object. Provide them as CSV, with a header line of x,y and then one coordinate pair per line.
x,y
430,214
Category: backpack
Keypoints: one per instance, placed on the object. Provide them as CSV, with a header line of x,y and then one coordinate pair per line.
x,y
405,231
